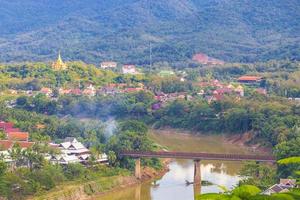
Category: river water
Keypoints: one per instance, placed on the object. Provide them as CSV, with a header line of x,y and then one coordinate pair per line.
x,y
172,185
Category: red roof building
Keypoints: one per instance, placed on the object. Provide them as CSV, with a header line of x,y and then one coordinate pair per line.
x,y
17,136
6,125
129,90
249,79
205,59
12,130
7,144
76,92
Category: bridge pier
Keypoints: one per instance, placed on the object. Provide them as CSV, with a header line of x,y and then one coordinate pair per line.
x,y
138,192
197,177
137,172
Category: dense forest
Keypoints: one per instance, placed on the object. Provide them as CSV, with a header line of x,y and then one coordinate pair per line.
x,y
93,31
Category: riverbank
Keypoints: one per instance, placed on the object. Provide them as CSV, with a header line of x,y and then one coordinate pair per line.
x,y
97,188
170,139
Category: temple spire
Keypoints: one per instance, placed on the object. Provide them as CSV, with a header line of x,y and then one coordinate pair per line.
x,y
59,57
59,64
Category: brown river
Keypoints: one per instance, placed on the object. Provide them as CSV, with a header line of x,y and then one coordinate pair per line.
x,y
172,185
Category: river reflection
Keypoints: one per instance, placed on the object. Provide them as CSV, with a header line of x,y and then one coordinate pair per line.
x,y
172,185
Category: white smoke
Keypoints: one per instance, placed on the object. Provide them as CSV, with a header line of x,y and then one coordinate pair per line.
x,y
110,127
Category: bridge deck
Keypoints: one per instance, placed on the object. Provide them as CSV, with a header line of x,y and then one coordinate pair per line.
x,y
198,156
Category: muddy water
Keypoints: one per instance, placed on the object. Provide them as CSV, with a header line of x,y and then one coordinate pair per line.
x,y
172,186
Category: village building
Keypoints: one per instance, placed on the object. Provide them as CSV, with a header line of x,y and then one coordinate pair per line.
x,y
13,137
284,186
17,136
75,92
6,125
129,69
132,90
13,134
89,91
108,90
108,65
73,151
11,91
240,91
46,91
250,79
63,91
7,145
206,60
59,64
166,73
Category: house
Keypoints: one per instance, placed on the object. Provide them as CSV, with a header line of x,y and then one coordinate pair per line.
x,y
108,90
64,91
73,151
129,69
73,148
11,130
223,91
13,134
250,79
76,92
63,159
6,125
89,91
289,182
284,186
108,65
8,144
11,91
17,136
131,90
102,158
166,73
240,91
46,91
206,60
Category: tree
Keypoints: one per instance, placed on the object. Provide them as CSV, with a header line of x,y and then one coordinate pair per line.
x,y
255,174
3,167
112,158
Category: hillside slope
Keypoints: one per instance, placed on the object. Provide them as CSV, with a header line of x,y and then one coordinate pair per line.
x,y
94,30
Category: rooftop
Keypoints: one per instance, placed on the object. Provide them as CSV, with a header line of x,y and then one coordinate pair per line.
x,y
18,136
249,78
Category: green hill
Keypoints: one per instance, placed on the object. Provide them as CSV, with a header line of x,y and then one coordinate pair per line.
x,y
93,30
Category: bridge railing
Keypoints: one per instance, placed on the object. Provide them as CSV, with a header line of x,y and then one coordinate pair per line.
x,y
204,156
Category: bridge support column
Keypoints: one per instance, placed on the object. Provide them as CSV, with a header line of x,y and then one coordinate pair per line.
x,y
197,177
137,172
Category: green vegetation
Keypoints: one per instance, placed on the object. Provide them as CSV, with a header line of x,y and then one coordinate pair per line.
x,y
271,121
33,76
248,192
132,135
232,31
33,175
256,175
23,181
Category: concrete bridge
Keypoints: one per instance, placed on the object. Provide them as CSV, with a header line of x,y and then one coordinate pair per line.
x,y
197,157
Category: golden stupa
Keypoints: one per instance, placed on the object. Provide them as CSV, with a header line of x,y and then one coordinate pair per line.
x,y
59,64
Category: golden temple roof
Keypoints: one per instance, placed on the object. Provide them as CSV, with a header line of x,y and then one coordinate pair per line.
x,y
59,64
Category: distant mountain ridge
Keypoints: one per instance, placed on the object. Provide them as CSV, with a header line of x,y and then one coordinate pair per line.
x,y
122,30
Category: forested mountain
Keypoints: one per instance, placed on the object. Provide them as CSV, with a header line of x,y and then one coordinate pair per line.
x,y
122,30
